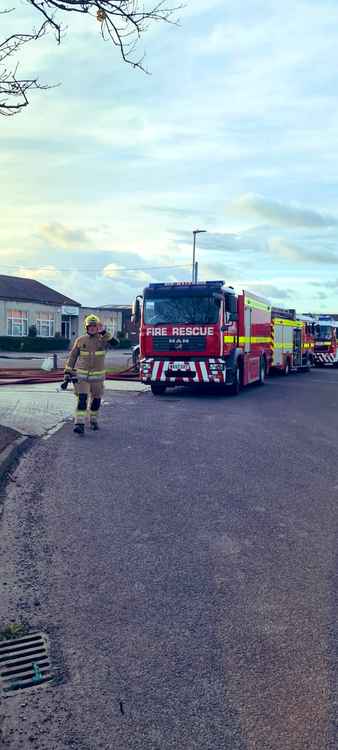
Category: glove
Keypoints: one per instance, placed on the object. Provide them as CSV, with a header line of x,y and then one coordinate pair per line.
x,y
68,378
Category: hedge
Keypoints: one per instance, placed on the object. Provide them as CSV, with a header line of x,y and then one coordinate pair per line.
x,y
32,344
124,344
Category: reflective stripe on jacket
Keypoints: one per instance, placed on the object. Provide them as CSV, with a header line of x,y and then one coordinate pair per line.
x,y
87,357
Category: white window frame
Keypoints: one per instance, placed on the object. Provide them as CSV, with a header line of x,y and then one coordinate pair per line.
x,y
17,323
45,325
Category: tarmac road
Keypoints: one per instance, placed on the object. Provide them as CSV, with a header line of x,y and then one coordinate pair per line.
x,y
183,563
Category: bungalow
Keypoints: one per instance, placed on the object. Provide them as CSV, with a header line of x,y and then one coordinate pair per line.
x,y
25,303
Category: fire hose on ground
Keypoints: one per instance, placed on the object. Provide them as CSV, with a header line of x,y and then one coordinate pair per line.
x,y
34,377
26,376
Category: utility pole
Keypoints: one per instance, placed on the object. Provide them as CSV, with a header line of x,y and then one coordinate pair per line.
x,y
194,269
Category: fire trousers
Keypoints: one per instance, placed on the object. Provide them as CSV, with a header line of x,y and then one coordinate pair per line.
x,y
88,397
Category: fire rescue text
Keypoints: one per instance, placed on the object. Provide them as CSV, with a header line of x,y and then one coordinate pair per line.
x,y
186,331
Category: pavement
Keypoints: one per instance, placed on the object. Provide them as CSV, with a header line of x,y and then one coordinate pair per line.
x,y
36,409
183,563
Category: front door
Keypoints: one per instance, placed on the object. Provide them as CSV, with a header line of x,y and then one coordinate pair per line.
x,y
65,329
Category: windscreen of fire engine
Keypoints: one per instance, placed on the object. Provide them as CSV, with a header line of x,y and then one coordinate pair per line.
x,y
323,332
181,310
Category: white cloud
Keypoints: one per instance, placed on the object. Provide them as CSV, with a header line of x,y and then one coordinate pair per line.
x,y
59,235
289,250
133,277
276,213
271,291
45,274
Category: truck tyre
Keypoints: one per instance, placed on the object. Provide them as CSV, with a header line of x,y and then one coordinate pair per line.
x,y
308,365
158,389
286,370
262,371
237,383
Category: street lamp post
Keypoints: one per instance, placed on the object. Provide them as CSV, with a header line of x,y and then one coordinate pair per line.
x,y
194,265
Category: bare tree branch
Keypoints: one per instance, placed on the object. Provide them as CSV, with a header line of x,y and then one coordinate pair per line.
x,y
122,22
11,88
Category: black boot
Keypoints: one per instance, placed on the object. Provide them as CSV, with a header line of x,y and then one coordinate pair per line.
x,y
94,426
79,429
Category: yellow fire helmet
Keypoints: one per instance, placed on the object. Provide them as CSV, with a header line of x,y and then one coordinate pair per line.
x,y
92,320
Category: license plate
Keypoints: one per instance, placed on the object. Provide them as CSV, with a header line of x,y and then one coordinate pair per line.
x,y
179,366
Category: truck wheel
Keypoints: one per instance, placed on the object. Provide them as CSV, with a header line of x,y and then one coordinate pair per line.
x,y
236,385
157,389
286,370
262,371
308,365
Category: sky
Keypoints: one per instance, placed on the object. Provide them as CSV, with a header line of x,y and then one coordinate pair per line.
x,y
105,177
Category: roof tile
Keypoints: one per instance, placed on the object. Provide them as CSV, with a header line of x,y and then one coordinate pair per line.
x,y
28,290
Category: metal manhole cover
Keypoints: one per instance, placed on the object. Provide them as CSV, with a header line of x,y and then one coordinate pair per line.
x,y
24,663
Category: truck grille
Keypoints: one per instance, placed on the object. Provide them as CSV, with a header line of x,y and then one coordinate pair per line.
x,y
179,344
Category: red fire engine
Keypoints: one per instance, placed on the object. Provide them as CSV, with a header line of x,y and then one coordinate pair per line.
x,y
326,345
202,333
292,339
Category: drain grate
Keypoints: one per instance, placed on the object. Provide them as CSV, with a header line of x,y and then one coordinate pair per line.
x,y
24,663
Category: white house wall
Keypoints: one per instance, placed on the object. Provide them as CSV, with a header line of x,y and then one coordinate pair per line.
x,y
110,319
32,309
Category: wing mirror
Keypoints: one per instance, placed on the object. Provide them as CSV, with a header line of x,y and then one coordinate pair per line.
x,y
136,311
229,317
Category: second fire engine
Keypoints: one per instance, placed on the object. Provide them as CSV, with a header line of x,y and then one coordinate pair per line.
x,y
292,340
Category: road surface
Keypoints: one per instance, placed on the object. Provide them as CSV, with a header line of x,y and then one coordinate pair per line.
x,y
182,561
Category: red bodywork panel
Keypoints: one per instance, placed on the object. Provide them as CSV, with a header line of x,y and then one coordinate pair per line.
x,y
254,335
308,341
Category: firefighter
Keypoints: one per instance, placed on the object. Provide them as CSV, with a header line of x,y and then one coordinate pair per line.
x,y
85,367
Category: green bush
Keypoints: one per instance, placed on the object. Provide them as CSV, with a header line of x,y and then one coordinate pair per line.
x,y
32,344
